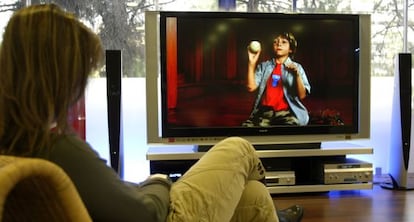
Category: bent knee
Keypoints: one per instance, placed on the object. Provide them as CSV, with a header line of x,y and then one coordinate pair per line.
x,y
239,142
256,192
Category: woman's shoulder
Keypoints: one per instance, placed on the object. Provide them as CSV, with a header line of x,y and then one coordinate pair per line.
x,y
72,141
70,146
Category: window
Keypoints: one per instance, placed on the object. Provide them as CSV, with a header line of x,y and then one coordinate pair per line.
x,y
121,23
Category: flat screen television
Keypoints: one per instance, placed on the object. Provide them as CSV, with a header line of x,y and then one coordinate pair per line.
x,y
196,77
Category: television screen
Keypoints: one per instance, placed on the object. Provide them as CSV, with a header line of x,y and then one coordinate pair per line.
x,y
272,78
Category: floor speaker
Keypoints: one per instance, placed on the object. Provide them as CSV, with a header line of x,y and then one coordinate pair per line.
x,y
401,160
114,101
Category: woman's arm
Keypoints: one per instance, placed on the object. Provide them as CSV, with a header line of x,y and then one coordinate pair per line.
x,y
106,196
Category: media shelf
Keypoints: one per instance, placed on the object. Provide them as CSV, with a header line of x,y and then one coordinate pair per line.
x,y
305,163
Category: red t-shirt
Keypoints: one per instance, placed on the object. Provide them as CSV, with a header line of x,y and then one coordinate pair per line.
x,y
273,96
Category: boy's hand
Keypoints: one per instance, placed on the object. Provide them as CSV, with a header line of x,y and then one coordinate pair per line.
x,y
253,56
291,67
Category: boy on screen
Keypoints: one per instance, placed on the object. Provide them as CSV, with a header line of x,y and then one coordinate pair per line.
x,y
281,84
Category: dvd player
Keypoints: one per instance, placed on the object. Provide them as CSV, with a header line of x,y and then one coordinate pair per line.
x,y
280,178
349,171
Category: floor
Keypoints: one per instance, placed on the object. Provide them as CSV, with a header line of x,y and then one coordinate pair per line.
x,y
377,205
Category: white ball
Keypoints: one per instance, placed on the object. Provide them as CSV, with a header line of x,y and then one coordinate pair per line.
x,y
254,46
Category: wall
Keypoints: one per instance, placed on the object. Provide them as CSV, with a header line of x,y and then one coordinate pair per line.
x,y
136,166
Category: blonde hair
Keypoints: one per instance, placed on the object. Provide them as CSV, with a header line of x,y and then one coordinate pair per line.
x,y
46,57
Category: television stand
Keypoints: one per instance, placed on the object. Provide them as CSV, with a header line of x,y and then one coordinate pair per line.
x,y
304,162
288,146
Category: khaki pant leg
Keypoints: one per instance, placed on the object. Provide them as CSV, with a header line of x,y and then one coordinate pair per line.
x,y
212,188
255,205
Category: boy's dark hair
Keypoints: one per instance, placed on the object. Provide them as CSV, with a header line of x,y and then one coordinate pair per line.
x,y
292,41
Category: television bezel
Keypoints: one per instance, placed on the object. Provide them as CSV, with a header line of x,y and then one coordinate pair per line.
x,y
153,92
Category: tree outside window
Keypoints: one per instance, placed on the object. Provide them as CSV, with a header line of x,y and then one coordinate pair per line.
x,y
121,23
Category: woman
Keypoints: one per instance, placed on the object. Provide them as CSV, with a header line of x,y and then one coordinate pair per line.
x,y
45,60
